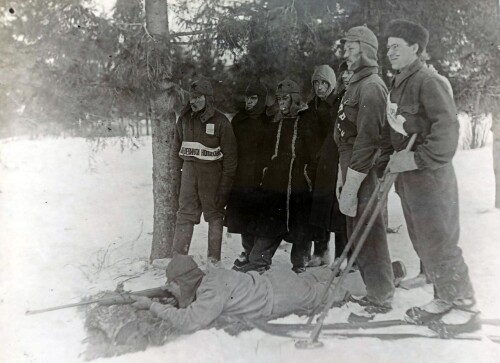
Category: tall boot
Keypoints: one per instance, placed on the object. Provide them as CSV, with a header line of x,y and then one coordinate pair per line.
x,y
182,237
215,228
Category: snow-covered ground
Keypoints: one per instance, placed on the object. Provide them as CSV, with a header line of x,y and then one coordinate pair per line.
x,y
76,219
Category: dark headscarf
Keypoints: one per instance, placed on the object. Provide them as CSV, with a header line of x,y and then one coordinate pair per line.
x,y
256,88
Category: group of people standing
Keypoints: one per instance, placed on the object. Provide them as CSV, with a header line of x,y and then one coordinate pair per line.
x,y
298,171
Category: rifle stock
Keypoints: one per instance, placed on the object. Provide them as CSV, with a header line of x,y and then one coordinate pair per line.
x,y
121,298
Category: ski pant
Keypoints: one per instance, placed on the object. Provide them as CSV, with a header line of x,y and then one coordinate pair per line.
x,y
430,205
198,194
374,260
199,186
300,293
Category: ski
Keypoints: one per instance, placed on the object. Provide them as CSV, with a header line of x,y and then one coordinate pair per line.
x,y
365,330
354,325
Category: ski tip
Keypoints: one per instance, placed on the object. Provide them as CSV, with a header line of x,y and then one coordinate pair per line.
x,y
308,344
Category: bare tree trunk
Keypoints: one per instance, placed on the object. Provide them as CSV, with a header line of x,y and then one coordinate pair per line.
x,y
147,120
495,115
165,187
496,156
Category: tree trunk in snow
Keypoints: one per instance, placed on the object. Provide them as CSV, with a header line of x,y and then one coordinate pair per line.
x,y
165,185
496,156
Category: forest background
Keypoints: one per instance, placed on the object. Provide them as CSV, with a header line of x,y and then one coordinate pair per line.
x,y
69,70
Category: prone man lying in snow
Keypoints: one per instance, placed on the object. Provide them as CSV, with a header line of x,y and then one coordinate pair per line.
x,y
203,297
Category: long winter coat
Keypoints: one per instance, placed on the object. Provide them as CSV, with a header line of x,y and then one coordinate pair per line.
x,y
289,178
325,212
255,139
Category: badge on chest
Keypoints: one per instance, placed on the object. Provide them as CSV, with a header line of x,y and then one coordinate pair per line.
x,y
210,129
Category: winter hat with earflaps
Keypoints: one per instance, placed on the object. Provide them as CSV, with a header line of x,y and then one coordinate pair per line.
x,y
325,73
187,275
201,87
409,31
368,45
289,87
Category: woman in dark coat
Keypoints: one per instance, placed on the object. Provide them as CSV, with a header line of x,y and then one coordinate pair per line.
x,y
325,211
287,183
254,134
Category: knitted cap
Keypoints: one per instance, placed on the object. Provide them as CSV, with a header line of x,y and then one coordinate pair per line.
x,y
202,87
287,87
180,265
256,88
363,35
324,73
409,31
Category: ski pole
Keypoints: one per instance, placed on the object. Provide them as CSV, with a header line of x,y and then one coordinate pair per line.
x,y
335,267
385,186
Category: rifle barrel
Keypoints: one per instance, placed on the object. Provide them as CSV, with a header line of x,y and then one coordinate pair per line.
x,y
31,312
123,298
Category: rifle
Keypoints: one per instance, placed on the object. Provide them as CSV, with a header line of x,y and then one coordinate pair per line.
x,y
121,298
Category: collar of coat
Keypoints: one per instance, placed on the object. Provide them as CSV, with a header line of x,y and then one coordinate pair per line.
x,y
330,99
300,108
407,72
363,73
205,115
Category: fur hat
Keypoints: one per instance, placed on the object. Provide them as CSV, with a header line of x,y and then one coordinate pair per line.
x,y
409,31
202,87
363,35
256,88
368,45
287,87
180,265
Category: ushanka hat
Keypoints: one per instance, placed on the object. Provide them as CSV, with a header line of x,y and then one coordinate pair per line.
x,y
363,35
409,31
368,44
201,87
287,86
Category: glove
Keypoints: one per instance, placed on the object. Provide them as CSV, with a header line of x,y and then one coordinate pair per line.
x,y
348,201
141,302
338,187
396,121
403,161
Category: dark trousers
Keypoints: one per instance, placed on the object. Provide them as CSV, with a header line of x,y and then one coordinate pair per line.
x,y
340,243
430,206
198,194
300,254
264,249
321,247
247,242
199,186
374,260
